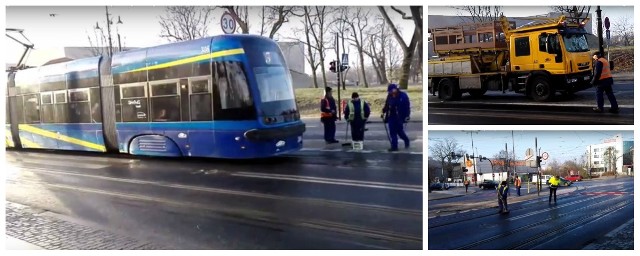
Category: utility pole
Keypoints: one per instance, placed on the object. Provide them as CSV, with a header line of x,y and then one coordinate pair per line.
x,y
338,76
600,39
539,168
109,31
506,165
513,149
475,175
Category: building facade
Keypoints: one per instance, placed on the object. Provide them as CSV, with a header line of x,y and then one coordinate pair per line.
x,y
613,154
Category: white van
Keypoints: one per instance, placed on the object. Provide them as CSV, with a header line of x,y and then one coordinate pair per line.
x,y
544,178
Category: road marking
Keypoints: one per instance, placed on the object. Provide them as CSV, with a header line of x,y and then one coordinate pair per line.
x,y
370,184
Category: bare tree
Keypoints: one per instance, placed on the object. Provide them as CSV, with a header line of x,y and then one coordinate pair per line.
x,y
479,14
317,19
580,13
408,50
610,159
376,45
442,149
569,166
358,21
312,55
623,28
98,45
278,15
241,15
552,167
180,23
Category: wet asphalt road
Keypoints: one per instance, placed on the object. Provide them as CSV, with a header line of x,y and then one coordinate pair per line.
x,y
581,215
513,108
311,200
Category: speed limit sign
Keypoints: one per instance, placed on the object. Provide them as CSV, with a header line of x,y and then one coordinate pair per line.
x,y
227,23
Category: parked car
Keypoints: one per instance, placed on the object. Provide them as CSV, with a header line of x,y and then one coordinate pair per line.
x,y
563,182
438,186
487,184
574,178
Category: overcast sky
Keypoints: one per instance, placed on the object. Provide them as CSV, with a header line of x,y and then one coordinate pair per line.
x,y
560,145
72,24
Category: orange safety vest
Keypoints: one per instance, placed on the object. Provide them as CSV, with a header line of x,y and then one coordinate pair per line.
x,y
325,114
606,71
517,183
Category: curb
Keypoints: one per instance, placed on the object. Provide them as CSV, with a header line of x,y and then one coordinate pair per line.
x,y
594,245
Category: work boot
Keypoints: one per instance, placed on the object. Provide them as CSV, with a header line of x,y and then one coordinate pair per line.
x,y
614,110
406,144
597,110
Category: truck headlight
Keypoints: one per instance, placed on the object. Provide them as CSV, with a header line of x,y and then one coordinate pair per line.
x,y
572,80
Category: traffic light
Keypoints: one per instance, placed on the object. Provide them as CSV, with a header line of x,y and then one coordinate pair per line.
x,y
538,161
332,66
453,155
480,157
464,169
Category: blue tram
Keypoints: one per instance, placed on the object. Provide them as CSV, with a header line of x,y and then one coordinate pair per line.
x,y
226,96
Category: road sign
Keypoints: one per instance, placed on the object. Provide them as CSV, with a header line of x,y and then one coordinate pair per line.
x,y
529,153
606,23
227,23
545,155
345,59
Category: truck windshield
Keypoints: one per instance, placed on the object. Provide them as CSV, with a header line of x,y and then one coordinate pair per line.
x,y
576,43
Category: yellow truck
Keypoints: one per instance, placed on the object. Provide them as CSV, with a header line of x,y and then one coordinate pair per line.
x,y
551,55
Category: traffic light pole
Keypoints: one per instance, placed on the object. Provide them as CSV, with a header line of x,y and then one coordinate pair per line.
x,y
338,74
600,39
537,163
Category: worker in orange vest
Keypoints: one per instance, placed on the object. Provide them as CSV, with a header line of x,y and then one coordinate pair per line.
x,y
517,183
603,81
328,110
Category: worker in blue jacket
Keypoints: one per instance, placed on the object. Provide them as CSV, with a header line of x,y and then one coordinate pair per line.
x,y
395,113
357,112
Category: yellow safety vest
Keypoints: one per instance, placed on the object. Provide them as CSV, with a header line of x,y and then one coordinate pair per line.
x,y
606,71
352,115
554,182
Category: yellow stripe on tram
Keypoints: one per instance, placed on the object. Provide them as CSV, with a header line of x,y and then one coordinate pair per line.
x,y
192,59
29,144
8,138
53,135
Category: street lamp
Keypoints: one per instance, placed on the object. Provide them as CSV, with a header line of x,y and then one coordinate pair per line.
x,y
109,22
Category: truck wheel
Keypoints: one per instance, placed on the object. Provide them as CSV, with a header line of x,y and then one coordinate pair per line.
x,y
448,90
541,90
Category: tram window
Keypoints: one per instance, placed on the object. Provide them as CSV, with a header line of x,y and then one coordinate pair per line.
x,y
19,109
96,108
165,109
79,96
46,98
118,104
79,112
164,89
200,86
133,92
134,110
61,97
48,115
201,107
7,109
232,85
31,109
